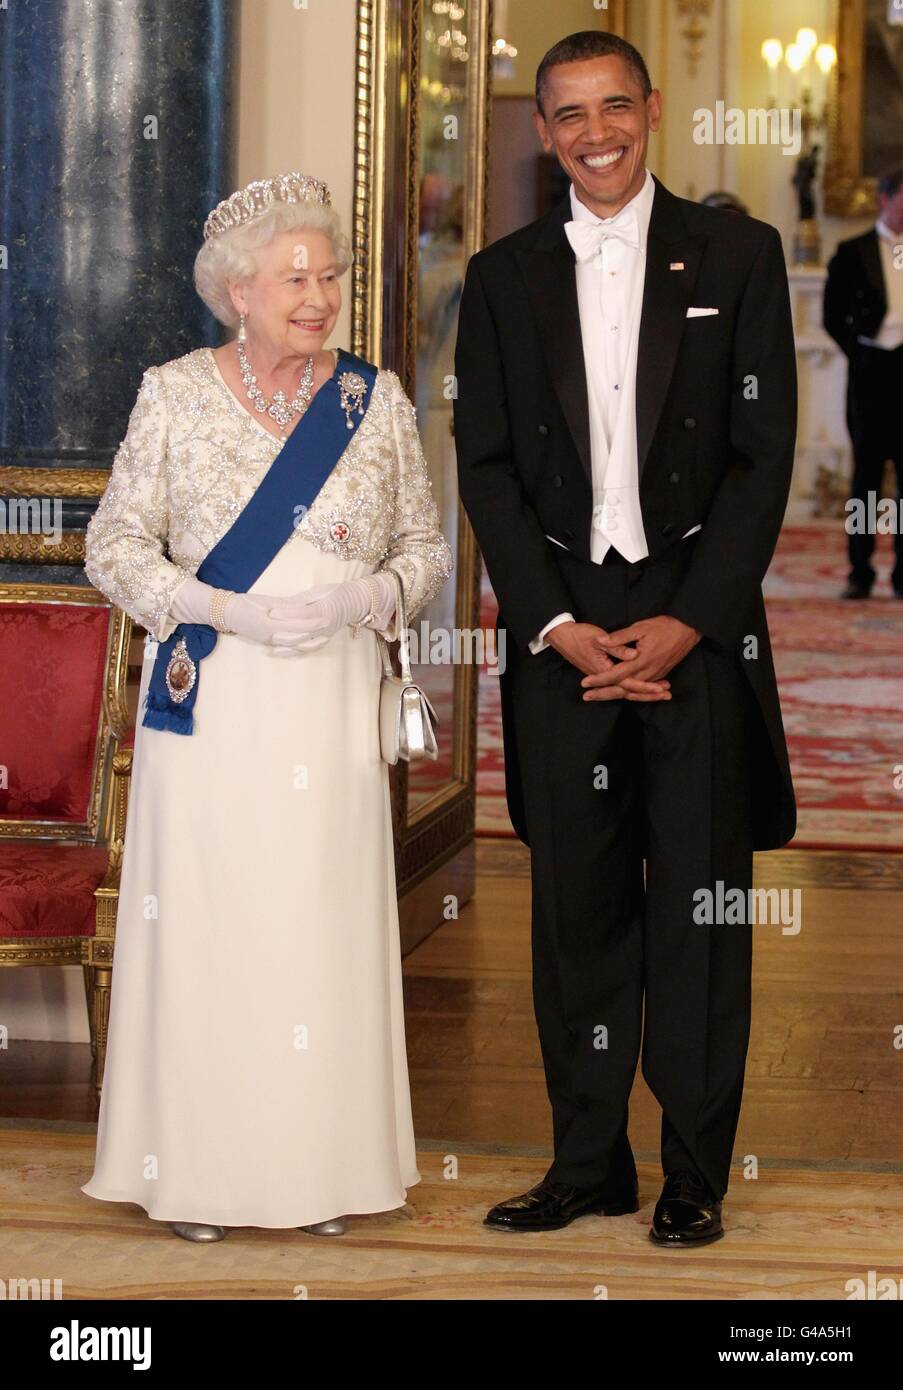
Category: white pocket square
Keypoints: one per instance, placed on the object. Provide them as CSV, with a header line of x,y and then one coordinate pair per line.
x,y
699,313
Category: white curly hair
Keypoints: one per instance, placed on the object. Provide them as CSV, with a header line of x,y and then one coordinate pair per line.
x,y
231,255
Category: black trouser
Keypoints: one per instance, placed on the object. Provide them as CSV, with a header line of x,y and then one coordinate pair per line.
x,y
607,785
875,420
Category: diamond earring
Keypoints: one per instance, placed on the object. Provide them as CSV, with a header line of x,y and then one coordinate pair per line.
x,y
242,331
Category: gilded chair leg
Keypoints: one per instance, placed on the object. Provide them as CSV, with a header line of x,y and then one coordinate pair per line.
x,y
88,972
100,1020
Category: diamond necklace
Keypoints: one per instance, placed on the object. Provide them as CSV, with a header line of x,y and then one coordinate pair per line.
x,y
280,409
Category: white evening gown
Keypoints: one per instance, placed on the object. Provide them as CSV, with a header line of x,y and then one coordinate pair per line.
x,y
256,1071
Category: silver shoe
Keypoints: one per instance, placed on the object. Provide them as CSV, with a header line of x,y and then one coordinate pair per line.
x,y
197,1230
335,1227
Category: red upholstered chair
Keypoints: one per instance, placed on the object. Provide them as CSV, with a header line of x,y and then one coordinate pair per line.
x,y
65,760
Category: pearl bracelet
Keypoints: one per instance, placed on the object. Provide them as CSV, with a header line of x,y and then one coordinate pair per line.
x,y
218,600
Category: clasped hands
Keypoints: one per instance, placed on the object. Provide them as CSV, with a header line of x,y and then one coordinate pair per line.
x,y
307,620
302,622
630,663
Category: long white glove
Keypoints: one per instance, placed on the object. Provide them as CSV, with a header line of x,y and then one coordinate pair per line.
x,y
320,612
244,614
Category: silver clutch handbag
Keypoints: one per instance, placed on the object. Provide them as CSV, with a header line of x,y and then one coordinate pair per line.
x,y
407,720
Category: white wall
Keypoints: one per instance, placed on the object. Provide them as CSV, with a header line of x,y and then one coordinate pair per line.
x,y
296,100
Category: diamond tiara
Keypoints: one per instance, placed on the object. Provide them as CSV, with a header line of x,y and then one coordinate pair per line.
x,y
256,197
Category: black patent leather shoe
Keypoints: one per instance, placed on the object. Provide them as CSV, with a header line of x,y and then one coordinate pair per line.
x,y
551,1205
856,591
686,1213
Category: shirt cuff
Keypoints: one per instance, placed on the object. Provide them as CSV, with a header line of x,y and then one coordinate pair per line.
x,y
538,645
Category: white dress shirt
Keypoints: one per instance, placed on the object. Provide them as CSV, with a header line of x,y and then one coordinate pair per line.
x,y
890,335
610,301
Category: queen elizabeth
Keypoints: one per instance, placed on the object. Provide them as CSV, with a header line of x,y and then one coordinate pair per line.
x,y
267,509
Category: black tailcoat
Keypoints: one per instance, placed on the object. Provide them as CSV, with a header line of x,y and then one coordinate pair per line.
x,y
716,410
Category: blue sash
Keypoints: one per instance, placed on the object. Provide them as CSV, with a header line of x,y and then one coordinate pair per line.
x,y
240,557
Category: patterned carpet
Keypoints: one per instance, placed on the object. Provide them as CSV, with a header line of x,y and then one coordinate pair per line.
x,y
840,670
792,1234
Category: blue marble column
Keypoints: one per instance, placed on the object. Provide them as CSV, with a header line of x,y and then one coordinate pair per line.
x,y
116,122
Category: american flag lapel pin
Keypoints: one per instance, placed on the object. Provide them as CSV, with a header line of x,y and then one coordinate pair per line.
x,y
677,265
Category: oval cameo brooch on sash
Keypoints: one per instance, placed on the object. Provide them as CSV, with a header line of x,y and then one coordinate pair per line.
x,y
181,673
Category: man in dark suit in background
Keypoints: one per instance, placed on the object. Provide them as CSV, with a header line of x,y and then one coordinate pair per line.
x,y
625,423
864,315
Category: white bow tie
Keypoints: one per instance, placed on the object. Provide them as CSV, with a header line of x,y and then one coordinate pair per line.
x,y
587,237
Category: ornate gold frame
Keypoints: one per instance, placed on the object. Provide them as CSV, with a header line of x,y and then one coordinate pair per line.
x,y
848,192
31,550
55,482
81,484
384,317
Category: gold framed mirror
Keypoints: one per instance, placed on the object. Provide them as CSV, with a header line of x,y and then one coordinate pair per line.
x,y
867,113
422,129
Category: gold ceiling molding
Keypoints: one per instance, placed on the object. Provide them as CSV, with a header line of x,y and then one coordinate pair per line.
x,y
694,30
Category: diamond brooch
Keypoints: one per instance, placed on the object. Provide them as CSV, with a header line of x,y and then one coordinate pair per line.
x,y
353,388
